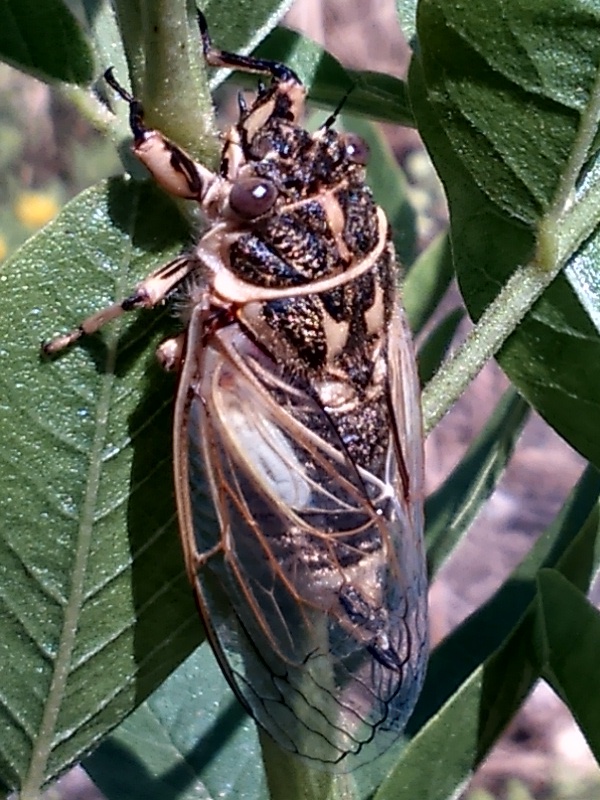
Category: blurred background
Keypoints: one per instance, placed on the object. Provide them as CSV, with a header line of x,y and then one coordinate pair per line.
x,y
49,153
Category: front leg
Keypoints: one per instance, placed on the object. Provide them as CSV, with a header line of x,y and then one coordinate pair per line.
x,y
169,164
147,294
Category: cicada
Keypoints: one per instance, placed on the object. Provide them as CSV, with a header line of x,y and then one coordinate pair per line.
x,y
298,407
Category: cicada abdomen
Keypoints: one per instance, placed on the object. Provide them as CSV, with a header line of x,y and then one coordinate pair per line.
x,y
298,409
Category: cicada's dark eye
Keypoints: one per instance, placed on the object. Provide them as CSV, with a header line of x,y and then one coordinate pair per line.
x,y
357,149
251,197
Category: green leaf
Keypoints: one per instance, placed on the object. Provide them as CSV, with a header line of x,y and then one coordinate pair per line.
x,y
427,282
190,739
568,643
381,97
95,609
568,542
434,348
480,674
450,511
502,124
102,23
509,113
43,38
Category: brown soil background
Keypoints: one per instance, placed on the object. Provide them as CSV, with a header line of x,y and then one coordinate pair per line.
x,y
543,745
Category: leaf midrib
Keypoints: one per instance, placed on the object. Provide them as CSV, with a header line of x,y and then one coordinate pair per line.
x,y
42,746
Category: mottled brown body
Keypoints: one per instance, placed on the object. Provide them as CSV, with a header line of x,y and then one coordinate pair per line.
x,y
298,412
323,220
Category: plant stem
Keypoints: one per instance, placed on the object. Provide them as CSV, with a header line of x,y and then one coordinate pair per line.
x,y
493,328
176,95
289,778
90,108
129,17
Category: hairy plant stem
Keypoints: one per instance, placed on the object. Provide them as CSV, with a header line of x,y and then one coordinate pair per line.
x,y
91,109
493,328
566,225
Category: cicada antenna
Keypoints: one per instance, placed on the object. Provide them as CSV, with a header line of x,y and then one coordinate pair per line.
x,y
216,57
331,119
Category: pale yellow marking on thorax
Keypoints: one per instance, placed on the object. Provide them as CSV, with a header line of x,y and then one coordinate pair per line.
x,y
260,115
336,220
336,334
375,316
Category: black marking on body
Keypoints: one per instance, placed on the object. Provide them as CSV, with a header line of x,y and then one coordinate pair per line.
x,y
331,164
372,620
301,165
360,611
261,146
361,233
386,655
335,303
303,237
254,261
317,553
386,273
287,249
283,107
363,296
351,550
364,430
185,166
300,321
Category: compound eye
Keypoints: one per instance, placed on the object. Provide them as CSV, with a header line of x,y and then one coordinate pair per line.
x,y
251,197
357,149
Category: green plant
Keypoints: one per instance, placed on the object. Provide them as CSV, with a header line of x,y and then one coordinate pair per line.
x,y
96,611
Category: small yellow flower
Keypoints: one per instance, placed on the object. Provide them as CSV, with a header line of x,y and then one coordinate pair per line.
x,y
3,247
34,209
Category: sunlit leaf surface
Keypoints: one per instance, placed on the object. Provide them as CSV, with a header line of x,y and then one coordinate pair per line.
x,y
95,609
499,90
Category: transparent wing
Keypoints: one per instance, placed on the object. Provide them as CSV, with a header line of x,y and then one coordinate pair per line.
x,y
313,588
